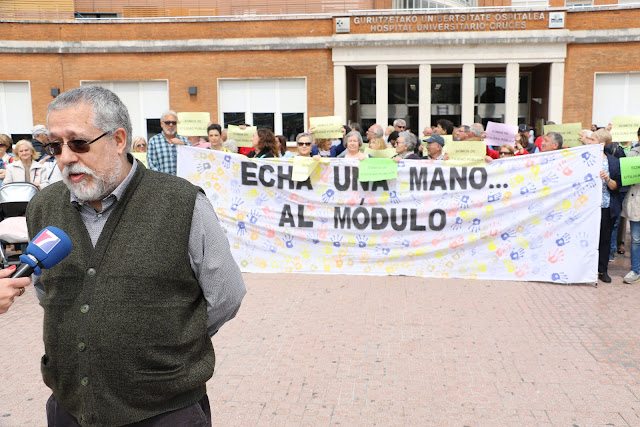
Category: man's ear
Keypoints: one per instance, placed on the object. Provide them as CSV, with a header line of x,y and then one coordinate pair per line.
x,y
120,136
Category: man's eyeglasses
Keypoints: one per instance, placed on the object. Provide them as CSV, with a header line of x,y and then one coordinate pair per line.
x,y
170,123
300,144
401,127
76,145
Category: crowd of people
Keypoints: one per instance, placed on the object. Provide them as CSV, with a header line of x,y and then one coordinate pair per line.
x,y
28,161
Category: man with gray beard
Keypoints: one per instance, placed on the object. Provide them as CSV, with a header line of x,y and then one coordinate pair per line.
x,y
162,155
128,315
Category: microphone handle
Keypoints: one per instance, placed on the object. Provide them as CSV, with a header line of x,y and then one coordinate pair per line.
x,y
23,270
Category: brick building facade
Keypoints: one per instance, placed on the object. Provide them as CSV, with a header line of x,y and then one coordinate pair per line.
x,y
529,66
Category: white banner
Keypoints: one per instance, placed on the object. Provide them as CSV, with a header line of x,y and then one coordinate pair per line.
x,y
531,218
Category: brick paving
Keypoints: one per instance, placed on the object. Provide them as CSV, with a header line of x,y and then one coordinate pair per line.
x,y
353,350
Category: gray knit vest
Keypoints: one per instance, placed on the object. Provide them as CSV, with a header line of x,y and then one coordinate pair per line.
x,y
125,323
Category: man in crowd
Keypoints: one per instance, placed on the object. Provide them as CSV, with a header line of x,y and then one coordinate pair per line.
x,y
461,133
444,127
399,125
124,347
162,154
40,136
434,145
375,131
551,141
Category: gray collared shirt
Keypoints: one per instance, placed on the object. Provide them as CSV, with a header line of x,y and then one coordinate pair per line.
x,y
209,254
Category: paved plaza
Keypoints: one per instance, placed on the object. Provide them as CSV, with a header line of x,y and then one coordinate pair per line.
x,y
353,350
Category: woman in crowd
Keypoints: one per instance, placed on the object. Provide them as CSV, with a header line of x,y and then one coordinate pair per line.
x,y
5,156
353,143
304,141
324,147
214,133
281,141
506,151
139,149
264,145
523,145
138,145
611,203
25,168
405,146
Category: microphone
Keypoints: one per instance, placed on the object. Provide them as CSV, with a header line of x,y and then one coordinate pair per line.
x,y
49,247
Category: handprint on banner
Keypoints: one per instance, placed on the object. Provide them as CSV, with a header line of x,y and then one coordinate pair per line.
x,y
516,254
267,213
529,188
416,200
550,179
255,233
235,203
383,250
271,232
370,198
354,198
386,237
403,242
508,235
494,197
475,225
559,277
589,159
457,224
534,173
251,194
418,241
464,202
362,241
522,271
437,239
201,167
557,255
583,238
242,230
563,240
516,181
536,207
288,241
394,197
589,181
522,242
488,212
553,216
325,175
328,195
456,242
226,161
336,239
322,231
261,199
565,168
280,197
254,216
313,236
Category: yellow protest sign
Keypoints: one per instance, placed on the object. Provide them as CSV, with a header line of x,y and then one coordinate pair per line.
x,y
387,153
466,153
142,157
377,170
327,127
193,124
625,128
570,133
302,168
447,139
242,137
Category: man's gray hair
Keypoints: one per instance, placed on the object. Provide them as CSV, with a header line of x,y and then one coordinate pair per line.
x,y
109,113
377,131
353,132
396,122
169,113
556,138
410,140
476,129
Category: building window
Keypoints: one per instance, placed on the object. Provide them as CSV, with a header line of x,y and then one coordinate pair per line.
x,y
615,94
16,117
277,104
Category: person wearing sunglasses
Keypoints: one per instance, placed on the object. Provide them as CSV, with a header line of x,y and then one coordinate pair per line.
x,y
304,141
162,154
506,151
140,336
139,149
26,168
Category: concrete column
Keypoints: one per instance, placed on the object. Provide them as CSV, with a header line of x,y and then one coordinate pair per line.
x,y
424,98
556,91
511,96
340,92
382,95
468,93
